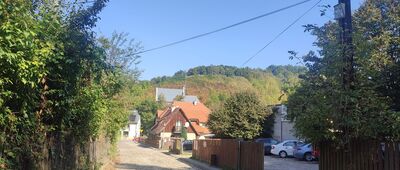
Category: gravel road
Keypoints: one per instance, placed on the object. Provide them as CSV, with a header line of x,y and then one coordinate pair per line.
x,y
137,156
276,163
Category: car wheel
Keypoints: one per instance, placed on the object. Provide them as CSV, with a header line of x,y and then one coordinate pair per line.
x,y
282,154
308,157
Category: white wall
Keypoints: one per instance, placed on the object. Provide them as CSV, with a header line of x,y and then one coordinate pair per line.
x,y
283,129
191,136
165,134
134,130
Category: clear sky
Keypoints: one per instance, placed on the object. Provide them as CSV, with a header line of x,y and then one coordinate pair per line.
x,y
158,22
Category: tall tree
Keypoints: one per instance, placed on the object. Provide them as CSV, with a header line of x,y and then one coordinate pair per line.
x,y
316,105
241,116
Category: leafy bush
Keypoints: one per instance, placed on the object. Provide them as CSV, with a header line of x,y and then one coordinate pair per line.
x,y
241,116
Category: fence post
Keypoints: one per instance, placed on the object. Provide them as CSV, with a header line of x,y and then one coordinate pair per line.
x,y
239,155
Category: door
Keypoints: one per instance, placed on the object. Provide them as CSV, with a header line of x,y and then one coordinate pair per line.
x,y
289,147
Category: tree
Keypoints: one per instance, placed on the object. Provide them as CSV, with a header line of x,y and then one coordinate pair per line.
x,y
184,133
147,110
57,90
241,116
179,98
121,52
268,124
316,106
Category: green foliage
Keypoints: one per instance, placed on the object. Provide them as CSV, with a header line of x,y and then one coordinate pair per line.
x,y
241,116
268,125
147,110
184,133
213,84
178,98
57,81
317,105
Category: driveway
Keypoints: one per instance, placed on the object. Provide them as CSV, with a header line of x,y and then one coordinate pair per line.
x,y
137,156
276,163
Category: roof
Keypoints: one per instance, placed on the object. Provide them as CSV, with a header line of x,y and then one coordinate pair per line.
x,y
189,110
194,110
160,113
134,117
200,129
168,94
190,99
160,124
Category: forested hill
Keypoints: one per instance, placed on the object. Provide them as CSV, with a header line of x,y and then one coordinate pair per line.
x,y
215,83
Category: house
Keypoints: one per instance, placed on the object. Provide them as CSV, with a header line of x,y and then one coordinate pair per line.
x,y
190,115
132,130
169,95
283,128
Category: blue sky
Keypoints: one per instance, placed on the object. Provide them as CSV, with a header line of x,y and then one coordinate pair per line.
x,y
158,22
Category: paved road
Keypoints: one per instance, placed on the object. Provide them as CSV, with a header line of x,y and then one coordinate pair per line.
x,y
276,163
136,156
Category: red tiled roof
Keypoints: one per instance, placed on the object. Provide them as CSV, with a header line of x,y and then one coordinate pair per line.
x,y
190,110
160,113
199,129
194,111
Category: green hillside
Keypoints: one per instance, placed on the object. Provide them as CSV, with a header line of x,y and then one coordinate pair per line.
x,y
213,84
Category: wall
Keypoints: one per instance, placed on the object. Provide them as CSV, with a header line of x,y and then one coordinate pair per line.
x,y
177,115
191,136
283,129
165,134
134,130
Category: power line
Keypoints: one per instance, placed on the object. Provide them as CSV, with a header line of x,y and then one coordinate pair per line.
x,y
224,28
283,31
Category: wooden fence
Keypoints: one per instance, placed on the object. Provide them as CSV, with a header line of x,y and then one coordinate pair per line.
x,y
230,153
360,155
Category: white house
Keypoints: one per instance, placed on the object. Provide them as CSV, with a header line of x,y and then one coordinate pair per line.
x,y
132,130
283,128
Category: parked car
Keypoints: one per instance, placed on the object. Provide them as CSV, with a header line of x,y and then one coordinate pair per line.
x,y
268,142
187,145
285,148
304,152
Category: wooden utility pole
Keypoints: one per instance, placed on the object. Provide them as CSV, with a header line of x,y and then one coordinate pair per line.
x,y
343,15
347,43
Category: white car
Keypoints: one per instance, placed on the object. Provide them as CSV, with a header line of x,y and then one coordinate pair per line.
x,y
285,148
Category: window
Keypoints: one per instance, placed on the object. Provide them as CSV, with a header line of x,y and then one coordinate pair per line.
x,y
178,126
300,143
291,143
274,142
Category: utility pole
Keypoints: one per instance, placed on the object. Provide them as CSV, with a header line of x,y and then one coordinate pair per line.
x,y
343,15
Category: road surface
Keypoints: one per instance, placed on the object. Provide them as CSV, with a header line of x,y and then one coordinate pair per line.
x,y
276,163
137,156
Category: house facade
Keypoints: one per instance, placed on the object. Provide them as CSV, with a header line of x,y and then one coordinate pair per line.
x,y
283,128
192,116
132,130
